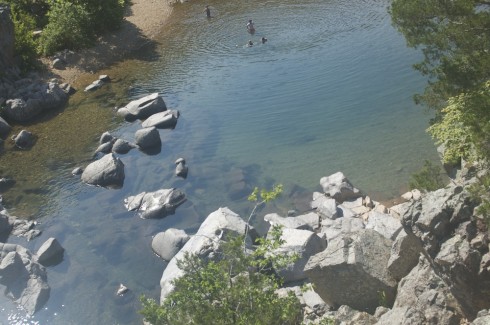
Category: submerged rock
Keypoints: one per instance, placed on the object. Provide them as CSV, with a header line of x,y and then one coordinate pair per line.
x,y
156,204
143,107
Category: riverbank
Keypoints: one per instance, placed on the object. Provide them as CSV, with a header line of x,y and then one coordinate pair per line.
x,y
144,20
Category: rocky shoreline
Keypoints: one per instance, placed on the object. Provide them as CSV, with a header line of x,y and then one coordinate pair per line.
x,y
424,261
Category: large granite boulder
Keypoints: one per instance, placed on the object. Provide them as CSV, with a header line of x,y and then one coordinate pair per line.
x,y
309,221
423,297
205,243
437,215
169,242
385,224
108,171
143,108
25,280
325,206
154,205
163,120
404,255
344,226
352,271
339,187
301,243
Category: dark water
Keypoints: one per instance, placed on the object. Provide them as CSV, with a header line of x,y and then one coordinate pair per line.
x,y
331,90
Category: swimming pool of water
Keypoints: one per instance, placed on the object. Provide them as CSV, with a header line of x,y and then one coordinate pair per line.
x,y
331,90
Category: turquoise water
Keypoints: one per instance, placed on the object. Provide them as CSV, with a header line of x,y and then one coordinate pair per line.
x,y
331,90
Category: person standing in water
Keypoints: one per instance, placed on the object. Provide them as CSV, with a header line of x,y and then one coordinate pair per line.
x,y
250,26
208,11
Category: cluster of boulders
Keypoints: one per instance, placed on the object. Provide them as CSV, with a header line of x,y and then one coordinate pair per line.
x,y
23,97
424,261
108,169
22,273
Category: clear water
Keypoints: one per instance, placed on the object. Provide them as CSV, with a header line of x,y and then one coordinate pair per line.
x,y
330,90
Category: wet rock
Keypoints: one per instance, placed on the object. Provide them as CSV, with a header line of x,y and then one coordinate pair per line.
x,y
106,172
50,253
94,85
104,148
4,127
24,139
163,120
168,243
122,146
121,290
148,138
106,137
180,168
143,107
6,183
158,204
77,171
25,279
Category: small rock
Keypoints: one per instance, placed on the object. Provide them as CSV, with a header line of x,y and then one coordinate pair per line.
x,y
121,290
50,253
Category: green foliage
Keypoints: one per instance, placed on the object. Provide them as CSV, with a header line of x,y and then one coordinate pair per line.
x,y
455,41
105,15
25,45
69,26
34,9
464,127
238,288
480,192
265,196
428,178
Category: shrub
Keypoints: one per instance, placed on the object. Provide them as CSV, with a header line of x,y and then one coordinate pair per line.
x,y
239,288
25,45
69,26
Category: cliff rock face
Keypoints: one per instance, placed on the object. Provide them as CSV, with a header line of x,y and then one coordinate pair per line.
x,y
6,38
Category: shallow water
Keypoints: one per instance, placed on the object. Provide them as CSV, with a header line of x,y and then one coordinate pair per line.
x,y
331,90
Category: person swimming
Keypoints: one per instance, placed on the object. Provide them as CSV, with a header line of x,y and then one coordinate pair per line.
x,y
263,40
250,26
250,43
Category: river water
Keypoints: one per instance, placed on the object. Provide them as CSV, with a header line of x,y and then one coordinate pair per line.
x,y
330,91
